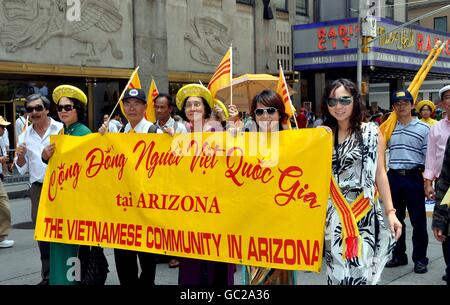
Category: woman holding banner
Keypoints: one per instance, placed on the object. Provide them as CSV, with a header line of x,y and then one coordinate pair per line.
x,y
196,103
268,112
357,244
71,105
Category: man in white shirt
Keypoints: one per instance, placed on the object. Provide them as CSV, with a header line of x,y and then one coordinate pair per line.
x,y
28,159
5,212
111,126
3,147
135,104
164,106
116,121
20,124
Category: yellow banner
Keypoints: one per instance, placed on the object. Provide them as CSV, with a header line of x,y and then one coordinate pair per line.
x,y
255,199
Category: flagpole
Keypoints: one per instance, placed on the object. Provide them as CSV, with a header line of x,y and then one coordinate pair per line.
x,y
231,74
123,92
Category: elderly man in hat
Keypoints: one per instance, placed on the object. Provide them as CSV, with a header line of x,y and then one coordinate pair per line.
x,y
5,213
437,139
407,150
135,104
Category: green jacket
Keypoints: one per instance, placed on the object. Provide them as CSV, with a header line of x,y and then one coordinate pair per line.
x,y
77,129
441,216
61,253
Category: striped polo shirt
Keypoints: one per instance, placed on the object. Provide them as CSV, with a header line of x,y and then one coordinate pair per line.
x,y
408,145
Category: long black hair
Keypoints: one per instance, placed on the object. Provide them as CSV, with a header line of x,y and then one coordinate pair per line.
x,y
357,113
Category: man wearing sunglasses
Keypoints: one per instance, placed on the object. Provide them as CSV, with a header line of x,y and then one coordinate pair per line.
x,y
407,151
30,144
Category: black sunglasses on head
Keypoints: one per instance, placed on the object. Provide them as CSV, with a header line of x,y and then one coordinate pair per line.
x,y
65,107
37,108
343,100
269,110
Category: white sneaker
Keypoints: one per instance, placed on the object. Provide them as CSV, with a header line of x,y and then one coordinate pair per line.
x,y
6,243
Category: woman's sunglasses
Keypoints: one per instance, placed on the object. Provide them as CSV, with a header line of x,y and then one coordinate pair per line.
x,y
268,110
37,108
343,100
65,107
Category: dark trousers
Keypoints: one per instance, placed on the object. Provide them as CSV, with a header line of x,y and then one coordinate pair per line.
x,y
446,251
44,247
408,193
127,267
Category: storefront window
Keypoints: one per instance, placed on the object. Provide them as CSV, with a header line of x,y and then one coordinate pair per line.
x,y
390,9
280,4
301,7
440,24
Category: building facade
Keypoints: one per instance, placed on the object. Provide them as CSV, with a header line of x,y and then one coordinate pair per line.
x,y
95,45
327,48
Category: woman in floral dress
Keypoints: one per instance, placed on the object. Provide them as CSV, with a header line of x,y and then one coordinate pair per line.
x,y
357,243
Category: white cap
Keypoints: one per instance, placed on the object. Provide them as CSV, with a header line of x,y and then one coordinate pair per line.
x,y
443,90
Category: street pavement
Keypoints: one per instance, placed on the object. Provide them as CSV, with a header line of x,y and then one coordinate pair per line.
x,y
20,265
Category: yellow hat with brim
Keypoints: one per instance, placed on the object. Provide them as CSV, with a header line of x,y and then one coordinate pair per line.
x,y
3,122
194,90
223,107
70,92
428,103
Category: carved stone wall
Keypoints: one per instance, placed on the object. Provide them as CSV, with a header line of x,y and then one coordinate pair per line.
x,y
200,33
40,31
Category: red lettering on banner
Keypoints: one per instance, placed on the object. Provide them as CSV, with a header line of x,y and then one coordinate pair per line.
x,y
188,242
53,227
204,157
124,201
234,246
283,251
292,190
244,169
98,159
105,232
60,176
171,202
154,159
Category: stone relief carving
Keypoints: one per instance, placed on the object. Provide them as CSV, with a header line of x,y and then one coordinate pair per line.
x,y
209,41
33,22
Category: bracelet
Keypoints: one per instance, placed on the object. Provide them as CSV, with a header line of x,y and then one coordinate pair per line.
x,y
390,211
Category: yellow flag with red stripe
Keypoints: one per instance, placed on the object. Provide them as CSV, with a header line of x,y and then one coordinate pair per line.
x,y
222,77
151,98
283,91
134,83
